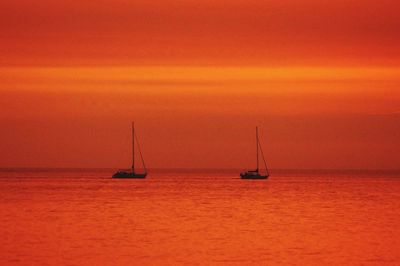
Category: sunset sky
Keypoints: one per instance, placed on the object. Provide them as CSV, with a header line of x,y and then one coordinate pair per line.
x,y
320,78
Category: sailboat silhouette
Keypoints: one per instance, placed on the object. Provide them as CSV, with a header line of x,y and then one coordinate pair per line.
x,y
255,174
130,173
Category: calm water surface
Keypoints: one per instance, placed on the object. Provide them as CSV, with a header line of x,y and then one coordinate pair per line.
x,y
81,218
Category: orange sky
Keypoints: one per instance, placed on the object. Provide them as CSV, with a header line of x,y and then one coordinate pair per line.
x,y
199,32
321,78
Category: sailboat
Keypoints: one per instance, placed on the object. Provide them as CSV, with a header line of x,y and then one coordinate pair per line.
x,y
130,173
255,174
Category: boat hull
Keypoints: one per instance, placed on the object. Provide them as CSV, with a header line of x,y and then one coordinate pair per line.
x,y
252,176
129,175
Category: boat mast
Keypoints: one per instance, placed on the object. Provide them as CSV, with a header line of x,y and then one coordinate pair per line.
x,y
133,147
257,146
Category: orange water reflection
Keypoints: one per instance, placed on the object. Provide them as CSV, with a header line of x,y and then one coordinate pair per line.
x,y
82,218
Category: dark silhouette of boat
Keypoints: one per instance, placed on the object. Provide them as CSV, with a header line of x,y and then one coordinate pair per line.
x,y
130,173
255,174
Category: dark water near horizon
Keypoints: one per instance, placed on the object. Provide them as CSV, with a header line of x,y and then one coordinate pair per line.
x,y
305,218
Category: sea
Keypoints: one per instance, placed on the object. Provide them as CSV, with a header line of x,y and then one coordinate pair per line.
x,y
199,217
